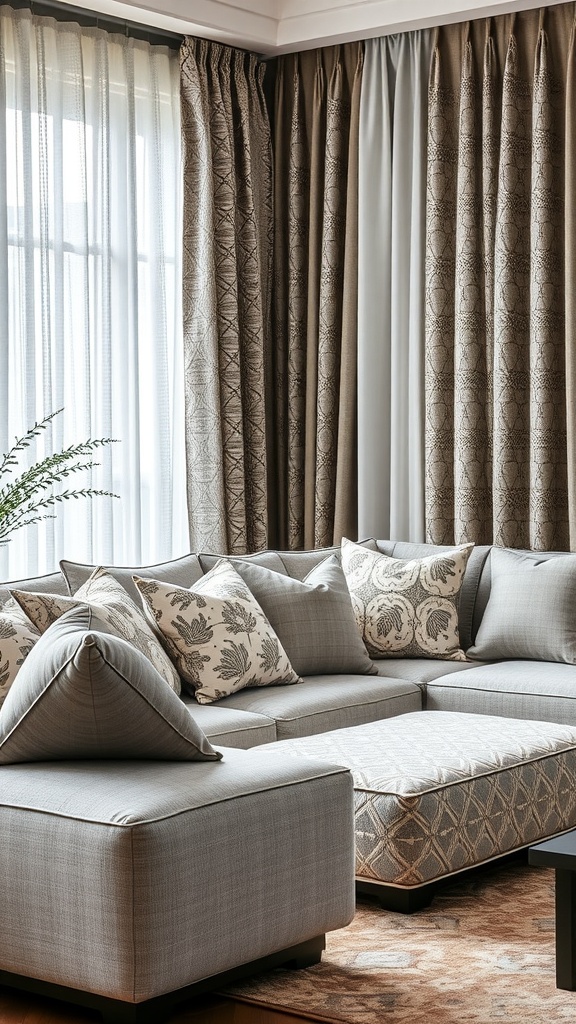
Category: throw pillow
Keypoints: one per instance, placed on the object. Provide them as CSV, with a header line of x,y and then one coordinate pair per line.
x,y
85,693
217,633
531,610
407,608
314,619
181,571
114,606
17,638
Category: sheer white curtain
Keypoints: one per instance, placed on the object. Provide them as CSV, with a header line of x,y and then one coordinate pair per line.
x,y
391,241
90,280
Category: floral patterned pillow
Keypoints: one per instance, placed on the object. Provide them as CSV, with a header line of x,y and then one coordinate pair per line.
x,y
406,608
17,638
114,606
217,634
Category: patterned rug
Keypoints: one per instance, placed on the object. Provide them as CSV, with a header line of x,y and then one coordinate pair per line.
x,y
482,952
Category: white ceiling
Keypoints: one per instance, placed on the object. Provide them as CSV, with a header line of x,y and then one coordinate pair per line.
x,y
280,26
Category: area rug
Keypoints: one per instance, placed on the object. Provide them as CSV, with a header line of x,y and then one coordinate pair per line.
x,y
482,952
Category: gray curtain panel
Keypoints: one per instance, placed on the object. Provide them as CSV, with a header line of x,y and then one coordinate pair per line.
x,y
227,264
501,263
316,111
391,285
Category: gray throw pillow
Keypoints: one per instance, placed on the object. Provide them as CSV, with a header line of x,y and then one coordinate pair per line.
x,y
183,572
313,618
85,693
531,610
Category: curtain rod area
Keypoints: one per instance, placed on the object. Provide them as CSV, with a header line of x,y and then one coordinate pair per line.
x,y
94,19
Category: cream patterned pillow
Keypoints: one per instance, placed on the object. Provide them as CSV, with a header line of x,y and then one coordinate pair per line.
x,y
17,638
407,608
217,634
114,606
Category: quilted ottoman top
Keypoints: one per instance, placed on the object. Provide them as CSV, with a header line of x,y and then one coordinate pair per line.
x,y
438,792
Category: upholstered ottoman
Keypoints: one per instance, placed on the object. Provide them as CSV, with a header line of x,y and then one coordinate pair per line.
x,y
438,792
128,886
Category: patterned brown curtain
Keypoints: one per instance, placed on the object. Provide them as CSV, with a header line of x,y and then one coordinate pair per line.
x,y
314,359
227,263
501,276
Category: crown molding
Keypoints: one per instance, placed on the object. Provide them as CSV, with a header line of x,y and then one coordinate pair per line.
x,y
252,25
280,26
309,23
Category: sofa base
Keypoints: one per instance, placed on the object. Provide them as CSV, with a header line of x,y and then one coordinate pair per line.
x,y
403,901
153,1011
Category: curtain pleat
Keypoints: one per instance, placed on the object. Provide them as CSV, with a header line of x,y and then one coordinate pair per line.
x,y
498,255
569,279
391,247
315,302
226,288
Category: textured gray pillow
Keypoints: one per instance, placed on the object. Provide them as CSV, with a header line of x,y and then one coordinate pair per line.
x,y
183,572
314,618
531,611
85,693
299,563
271,559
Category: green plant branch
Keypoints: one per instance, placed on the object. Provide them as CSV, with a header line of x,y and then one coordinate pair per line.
x,y
21,443
23,501
18,518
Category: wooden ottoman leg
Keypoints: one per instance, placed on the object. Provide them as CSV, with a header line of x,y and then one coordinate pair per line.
x,y
403,901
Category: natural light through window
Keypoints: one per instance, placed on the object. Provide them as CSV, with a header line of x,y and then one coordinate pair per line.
x,y
90,269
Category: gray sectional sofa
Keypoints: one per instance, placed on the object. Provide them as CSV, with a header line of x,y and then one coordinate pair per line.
x,y
510,685
127,884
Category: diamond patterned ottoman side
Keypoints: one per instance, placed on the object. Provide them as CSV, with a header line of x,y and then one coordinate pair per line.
x,y
439,792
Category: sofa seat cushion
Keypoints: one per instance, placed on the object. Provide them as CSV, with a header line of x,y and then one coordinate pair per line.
x,y
167,874
439,793
539,690
321,703
230,727
420,670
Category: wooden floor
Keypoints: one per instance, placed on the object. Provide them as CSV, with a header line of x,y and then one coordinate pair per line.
x,y
16,1008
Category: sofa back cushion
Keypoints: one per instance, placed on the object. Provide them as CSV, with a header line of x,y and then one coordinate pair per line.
x,y
313,618
52,583
530,611
271,559
182,571
85,693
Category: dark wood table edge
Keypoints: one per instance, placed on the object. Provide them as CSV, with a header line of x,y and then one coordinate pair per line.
x,y
555,853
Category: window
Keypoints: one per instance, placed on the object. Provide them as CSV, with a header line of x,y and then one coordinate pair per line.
x,y
90,281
